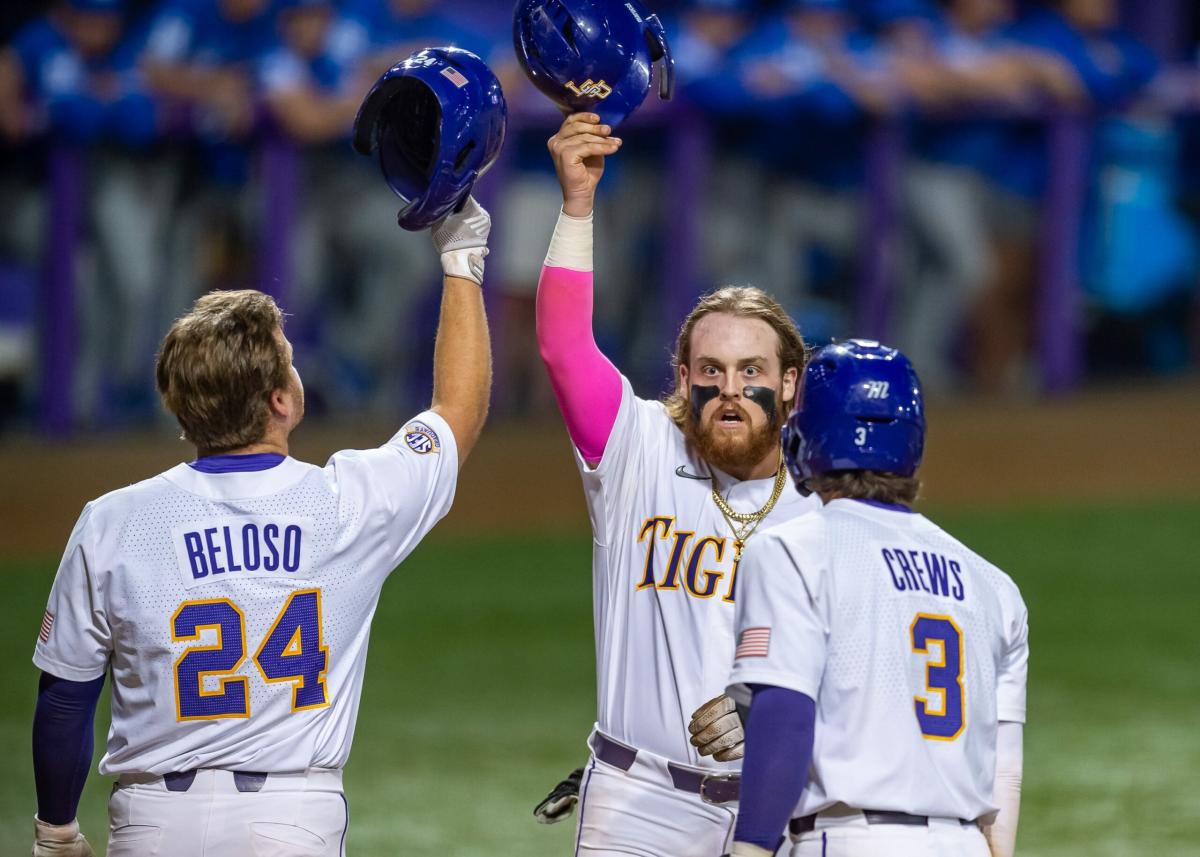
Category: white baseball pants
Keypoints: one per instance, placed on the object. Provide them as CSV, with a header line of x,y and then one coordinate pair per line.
x,y
289,815
852,836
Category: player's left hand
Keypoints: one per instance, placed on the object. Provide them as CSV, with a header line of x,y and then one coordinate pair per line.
x,y
560,803
717,731
461,240
59,840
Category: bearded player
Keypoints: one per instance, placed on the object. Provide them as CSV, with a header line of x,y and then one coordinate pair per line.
x,y
675,490
884,662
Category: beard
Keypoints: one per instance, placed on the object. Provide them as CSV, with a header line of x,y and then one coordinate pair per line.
x,y
726,450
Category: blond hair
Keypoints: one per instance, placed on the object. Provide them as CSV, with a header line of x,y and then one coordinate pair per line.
x,y
218,365
743,302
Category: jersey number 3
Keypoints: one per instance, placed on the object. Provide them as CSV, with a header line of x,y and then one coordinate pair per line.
x,y
940,713
292,651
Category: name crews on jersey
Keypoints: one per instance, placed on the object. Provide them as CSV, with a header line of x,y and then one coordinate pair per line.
x,y
674,491
883,661
231,597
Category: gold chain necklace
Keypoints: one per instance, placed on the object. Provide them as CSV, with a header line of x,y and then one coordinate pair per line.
x,y
749,520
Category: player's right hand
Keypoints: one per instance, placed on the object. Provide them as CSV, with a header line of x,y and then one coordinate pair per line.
x,y
59,840
461,238
578,150
717,730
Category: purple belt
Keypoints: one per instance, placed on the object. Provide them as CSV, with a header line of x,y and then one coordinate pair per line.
x,y
712,788
808,823
244,781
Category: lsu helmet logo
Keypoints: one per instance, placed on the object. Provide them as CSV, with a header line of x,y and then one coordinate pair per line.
x,y
592,88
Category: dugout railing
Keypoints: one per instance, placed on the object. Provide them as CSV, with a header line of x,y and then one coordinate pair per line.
x,y
689,153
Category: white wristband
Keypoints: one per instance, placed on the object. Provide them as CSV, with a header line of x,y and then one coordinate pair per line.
x,y
571,246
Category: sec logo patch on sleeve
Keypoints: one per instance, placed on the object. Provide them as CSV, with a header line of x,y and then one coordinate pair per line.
x,y
421,439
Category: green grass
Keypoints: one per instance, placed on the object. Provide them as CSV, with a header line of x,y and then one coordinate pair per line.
x,y
479,689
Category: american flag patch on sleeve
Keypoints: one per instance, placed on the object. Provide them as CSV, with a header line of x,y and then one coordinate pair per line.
x,y
47,624
753,643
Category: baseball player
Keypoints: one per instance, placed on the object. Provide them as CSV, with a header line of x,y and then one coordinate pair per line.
x,y
883,661
675,490
231,597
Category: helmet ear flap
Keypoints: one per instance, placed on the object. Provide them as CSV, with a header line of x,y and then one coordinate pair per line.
x,y
656,42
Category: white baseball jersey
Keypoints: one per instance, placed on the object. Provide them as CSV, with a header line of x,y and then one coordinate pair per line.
x,y
663,578
233,608
912,646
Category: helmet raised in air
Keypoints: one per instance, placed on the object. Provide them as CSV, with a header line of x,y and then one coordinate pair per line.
x,y
592,55
437,122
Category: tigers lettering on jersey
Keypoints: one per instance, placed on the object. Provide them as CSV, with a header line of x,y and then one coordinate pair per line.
x,y
243,546
688,562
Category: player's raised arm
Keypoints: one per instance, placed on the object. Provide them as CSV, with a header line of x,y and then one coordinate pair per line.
x,y
586,384
436,122
462,356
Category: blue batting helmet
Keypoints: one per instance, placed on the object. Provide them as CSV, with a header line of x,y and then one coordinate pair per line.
x,y
592,55
437,121
861,408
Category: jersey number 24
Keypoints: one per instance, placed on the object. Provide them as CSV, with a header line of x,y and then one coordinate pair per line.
x,y
940,713
292,651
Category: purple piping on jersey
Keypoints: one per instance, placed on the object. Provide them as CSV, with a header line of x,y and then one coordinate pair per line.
x,y
824,842
891,507
583,805
251,463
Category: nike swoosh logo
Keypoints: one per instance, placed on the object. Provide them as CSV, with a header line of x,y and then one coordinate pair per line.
x,y
679,471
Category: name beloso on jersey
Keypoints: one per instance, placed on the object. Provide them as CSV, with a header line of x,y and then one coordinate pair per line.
x,y
207,681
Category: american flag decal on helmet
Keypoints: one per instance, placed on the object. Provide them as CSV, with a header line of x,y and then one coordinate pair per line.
x,y
47,624
455,76
753,643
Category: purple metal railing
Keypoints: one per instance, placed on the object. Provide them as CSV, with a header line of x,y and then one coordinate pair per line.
x,y
57,329
884,157
281,199
689,156
1058,334
1058,329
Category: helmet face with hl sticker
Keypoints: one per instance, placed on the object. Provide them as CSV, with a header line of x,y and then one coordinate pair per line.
x,y
592,56
436,121
861,408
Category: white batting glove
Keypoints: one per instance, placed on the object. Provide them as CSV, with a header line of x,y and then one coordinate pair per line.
x,y
461,240
716,730
59,840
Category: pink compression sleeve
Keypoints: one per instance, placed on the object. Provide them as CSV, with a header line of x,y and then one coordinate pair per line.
x,y
585,382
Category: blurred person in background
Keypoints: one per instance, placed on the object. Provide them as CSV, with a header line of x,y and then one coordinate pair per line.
x,y
200,59
1109,67
959,67
806,75
345,248
72,77
389,30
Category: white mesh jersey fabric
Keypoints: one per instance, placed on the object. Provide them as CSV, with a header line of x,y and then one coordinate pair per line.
x,y
663,578
233,609
912,661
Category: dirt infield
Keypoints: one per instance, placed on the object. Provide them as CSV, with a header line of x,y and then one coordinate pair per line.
x,y
1123,444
